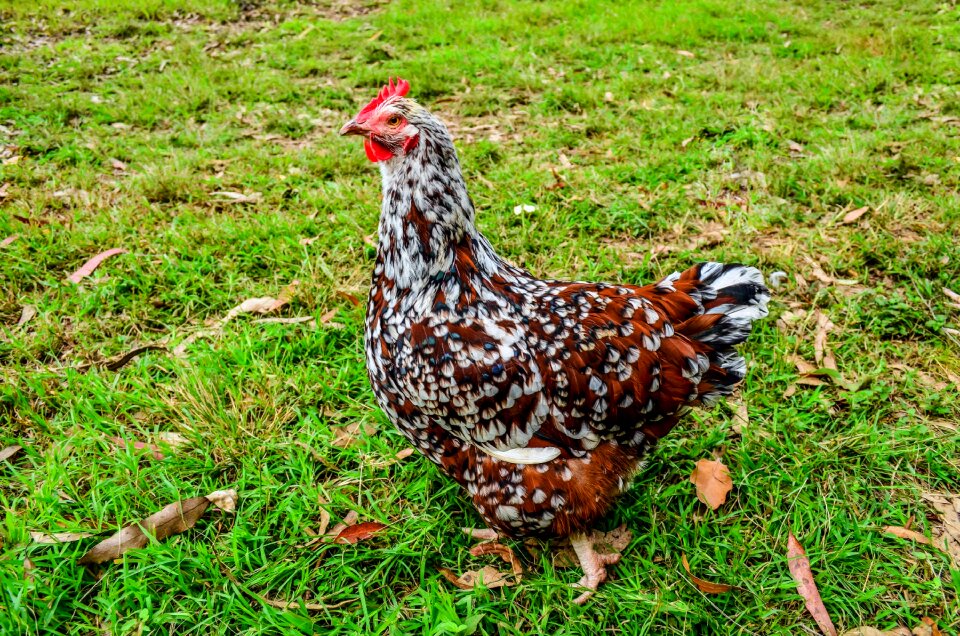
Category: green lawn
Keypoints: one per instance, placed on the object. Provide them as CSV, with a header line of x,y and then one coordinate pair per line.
x,y
683,132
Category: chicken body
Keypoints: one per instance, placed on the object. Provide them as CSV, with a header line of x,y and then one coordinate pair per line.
x,y
540,397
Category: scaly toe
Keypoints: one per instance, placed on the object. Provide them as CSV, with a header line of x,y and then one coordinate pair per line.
x,y
481,534
609,559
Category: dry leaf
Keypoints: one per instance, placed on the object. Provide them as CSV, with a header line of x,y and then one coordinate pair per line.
x,y
115,364
501,550
713,482
238,197
9,452
952,295
27,314
853,215
118,166
294,604
262,305
172,519
286,295
406,452
873,631
154,449
741,418
328,316
324,520
298,320
10,239
349,297
88,268
308,241
947,535
359,532
799,566
489,576
59,537
683,53
906,533
818,272
932,624
225,500
820,351
171,438
707,587
350,434
349,520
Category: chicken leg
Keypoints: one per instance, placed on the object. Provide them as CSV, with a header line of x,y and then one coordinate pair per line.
x,y
593,563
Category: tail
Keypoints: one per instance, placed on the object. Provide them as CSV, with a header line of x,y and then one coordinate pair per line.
x,y
732,297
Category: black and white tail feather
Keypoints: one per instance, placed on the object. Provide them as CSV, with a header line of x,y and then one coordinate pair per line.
x,y
739,294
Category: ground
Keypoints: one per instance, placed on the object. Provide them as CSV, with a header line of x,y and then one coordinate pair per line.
x,y
734,131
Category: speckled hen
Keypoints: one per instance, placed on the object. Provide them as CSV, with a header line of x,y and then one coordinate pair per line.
x,y
540,397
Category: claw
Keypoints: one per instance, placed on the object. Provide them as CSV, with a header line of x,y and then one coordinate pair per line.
x,y
593,564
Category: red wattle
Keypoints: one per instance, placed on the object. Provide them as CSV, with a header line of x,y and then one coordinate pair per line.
x,y
375,151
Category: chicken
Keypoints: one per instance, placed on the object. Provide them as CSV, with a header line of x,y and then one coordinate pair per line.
x,y
540,397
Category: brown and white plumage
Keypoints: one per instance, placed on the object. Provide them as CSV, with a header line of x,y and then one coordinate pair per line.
x,y
539,397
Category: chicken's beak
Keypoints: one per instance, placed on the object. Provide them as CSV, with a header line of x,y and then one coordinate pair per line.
x,y
353,128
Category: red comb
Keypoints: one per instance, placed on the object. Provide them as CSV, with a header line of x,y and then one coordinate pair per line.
x,y
390,90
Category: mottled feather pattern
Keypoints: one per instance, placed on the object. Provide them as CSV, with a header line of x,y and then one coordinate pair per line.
x,y
474,358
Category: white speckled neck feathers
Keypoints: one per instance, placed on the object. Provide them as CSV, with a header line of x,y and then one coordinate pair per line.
x,y
426,211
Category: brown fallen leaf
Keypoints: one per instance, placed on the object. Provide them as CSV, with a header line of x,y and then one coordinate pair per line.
x,y
10,239
349,297
324,517
118,166
349,520
359,532
932,624
947,534
713,482
27,314
799,566
818,272
296,320
261,305
58,537
683,53
308,240
348,435
328,316
225,500
153,448
873,631
237,197
172,519
906,533
707,587
489,576
314,607
286,295
821,353
9,452
172,438
88,268
406,452
502,551
853,215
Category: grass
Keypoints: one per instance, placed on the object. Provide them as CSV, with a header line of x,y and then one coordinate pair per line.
x,y
785,117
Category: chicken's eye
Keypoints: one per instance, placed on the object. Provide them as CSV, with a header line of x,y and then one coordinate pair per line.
x,y
393,121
